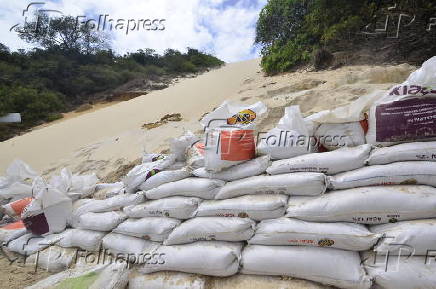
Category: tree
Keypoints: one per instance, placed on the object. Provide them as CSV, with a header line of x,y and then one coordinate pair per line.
x,y
64,33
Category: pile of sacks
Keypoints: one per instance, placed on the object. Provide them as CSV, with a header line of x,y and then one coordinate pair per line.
x,y
331,213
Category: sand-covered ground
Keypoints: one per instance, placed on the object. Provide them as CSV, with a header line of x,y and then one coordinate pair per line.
x,y
108,139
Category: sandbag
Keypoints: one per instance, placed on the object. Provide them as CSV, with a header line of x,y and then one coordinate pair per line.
x,y
290,138
333,136
151,228
212,258
403,173
15,208
140,173
211,229
415,151
85,239
108,190
133,249
164,177
368,205
324,265
12,231
99,221
230,134
406,112
247,169
17,183
341,160
54,259
180,145
75,186
401,272
255,207
172,207
195,156
305,184
110,276
166,280
190,187
285,231
28,244
416,237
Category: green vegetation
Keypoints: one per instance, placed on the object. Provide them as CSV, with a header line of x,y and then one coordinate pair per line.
x,y
71,66
292,31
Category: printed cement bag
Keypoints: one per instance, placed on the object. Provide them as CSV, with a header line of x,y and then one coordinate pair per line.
x,y
404,173
212,258
85,239
179,146
99,221
17,183
189,187
304,184
415,151
341,160
285,231
163,178
28,244
75,186
166,280
401,272
333,136
368,205
211,229
49,210
14,209
54,259
133,249
289,139
247,169
255,207
12,231
230,137
110,276
151,228
329,266
415,237
406,112
172,207
140,173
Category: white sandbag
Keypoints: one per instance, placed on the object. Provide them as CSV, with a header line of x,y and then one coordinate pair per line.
x,y
81,207
75,186
304,184
140,173
172,207
28,244
255,207
108,190
290,138
134,249
324,265
166,280
99,221
417,237
401,272
179,146
230,136
17,183
403,173
368,205
15,209
110,276
151,228
406,112
195,156
333,136
85,239
247,169
54,259
189,187
285,231
415,151
164,177
341,160
12,231
211,229
211,258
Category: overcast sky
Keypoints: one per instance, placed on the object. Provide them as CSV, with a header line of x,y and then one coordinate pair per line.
x,y
225,28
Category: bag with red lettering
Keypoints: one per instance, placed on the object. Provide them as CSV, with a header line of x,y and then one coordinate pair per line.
x,y
230,134
408,112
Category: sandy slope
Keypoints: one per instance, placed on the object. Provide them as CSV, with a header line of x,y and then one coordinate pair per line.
x,y
105,139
